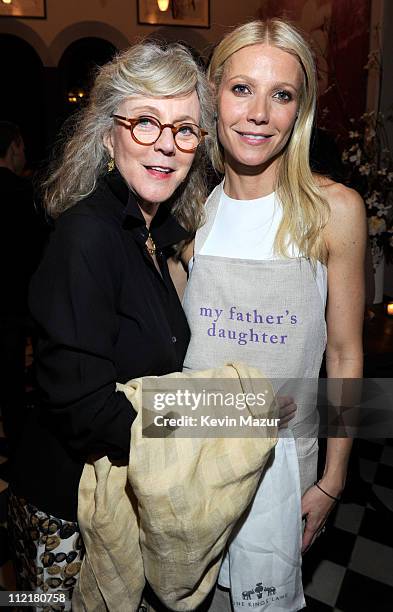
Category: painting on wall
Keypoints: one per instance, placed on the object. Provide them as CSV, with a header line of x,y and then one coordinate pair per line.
x,y
194,13
32,9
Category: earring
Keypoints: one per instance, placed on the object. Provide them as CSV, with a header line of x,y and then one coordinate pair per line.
x,y
111,165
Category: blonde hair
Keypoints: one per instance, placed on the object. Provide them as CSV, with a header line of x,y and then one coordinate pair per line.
x,y
150,69
305,210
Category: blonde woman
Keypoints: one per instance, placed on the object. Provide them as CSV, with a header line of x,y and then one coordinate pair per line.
x,y
279,261
128,185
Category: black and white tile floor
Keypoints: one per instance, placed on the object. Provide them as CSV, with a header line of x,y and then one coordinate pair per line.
x,y
350,568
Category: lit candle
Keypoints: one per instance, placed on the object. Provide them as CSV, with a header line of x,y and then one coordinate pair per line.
x,y
389,309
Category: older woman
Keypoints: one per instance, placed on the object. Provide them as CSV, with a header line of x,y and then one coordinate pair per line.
x,y
127,186
277,241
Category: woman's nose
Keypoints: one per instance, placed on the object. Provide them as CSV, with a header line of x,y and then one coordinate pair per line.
x,y
166,142
259,110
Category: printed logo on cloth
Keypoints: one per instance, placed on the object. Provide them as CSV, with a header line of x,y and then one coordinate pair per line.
x,y
258,596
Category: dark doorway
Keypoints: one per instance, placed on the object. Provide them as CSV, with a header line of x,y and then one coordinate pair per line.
x,y
78,67
23,100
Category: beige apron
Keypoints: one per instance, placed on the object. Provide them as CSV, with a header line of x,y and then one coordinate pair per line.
x,y
268,314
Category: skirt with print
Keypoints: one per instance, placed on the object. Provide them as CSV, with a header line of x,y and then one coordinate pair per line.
x,y
47,552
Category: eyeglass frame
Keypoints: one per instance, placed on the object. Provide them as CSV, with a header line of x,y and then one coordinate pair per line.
x,y
173,128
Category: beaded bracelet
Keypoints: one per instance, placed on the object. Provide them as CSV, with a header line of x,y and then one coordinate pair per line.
x,y
336,499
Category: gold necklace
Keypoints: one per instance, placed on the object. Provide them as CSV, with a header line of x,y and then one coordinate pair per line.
x,y
151,249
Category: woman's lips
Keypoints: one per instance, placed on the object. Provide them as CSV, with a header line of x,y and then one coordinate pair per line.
x,y
254,139
160,172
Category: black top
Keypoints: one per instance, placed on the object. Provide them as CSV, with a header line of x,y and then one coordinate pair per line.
x,y
104,314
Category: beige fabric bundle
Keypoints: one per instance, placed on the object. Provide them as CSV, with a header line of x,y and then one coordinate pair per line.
x,y
169,513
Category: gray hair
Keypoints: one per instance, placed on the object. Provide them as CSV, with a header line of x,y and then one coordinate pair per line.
x,y
150,69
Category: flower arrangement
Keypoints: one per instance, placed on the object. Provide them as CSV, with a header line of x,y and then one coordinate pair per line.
x,y
366,156
369,162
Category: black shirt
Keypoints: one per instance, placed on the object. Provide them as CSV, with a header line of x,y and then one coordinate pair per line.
x,y
104,314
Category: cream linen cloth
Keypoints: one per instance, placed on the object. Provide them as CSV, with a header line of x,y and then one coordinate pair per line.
x,y
167,516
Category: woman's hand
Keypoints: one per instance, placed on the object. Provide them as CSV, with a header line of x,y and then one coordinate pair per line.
x,y
316,507
287,410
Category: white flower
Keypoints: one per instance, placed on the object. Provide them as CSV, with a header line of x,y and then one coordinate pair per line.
x,y
365,169
355,159
370,134
382,209
372,199
390,176
376,225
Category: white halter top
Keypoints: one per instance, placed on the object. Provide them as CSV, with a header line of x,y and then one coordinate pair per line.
x,y
246,229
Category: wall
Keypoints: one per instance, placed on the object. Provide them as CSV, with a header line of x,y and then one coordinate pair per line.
x,y
339,32
338,28
116,21
112,20
387,100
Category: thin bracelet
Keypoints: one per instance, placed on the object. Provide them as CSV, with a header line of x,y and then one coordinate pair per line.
x,y
336,499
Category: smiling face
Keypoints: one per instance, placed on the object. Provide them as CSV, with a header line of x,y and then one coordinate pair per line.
x,y
153,172
258,99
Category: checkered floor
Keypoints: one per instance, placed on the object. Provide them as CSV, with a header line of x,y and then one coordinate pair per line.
x,y
350,568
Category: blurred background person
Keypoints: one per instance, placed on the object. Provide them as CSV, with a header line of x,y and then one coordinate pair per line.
x,y
21,242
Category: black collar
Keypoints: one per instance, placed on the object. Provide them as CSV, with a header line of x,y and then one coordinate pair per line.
x,y
164,227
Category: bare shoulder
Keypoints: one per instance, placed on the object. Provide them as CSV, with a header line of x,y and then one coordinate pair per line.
x,y
347,220
346,205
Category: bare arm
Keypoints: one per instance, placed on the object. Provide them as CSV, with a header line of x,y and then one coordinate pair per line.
x,y
178,269
345,237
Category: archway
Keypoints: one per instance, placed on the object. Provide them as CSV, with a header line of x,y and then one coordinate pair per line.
x,y
22,100
77,69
